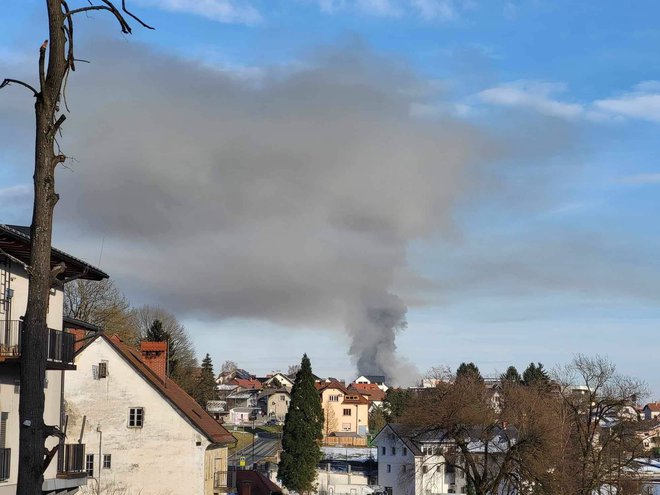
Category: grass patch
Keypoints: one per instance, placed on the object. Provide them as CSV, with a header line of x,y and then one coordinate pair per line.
x,y
243,440
270,429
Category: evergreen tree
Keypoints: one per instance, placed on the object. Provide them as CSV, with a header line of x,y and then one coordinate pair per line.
x,y
156,333
511,375
468,371
535,375
206,386
302,434
395,403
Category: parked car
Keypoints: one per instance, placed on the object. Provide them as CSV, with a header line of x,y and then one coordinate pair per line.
x,y
274,422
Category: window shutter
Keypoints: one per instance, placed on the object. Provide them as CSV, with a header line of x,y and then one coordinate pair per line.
x,y
95,372
103,369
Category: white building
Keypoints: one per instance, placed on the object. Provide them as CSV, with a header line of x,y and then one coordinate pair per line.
x,y
66,470
149,436
375,379
414,467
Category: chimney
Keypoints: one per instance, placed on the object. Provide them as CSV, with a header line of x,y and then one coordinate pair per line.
x,y
78,335
154,355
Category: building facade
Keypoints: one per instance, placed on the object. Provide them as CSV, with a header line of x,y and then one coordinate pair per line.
x,y
149,437
65,472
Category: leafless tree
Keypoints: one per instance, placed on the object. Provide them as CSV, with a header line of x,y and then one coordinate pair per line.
x,y
102,304
228,367
56,61
186,363
602,443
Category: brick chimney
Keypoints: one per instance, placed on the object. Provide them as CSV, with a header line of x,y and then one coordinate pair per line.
x,y
154,355
78,334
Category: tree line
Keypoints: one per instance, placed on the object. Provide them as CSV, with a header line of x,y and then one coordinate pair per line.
x,y
103,304
574,431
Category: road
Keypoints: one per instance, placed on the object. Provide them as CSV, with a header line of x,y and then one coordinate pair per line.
x,y
263,448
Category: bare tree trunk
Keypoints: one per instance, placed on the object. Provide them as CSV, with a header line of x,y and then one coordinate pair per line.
x,y
33,458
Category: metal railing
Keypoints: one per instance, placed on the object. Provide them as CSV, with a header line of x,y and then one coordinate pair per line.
x,y
10,338
5,464
71,458
60,345
223,480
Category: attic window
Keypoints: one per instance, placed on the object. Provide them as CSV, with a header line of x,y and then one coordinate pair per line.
x,y
103,369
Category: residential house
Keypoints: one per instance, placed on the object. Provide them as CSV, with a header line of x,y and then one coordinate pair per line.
x,y
370,391
250,482
228,376
274,403
346,414
651,410
246,383
376,379
278,380
414,464
66,470
149,436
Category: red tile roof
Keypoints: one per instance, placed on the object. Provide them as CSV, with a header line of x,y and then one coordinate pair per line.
x,y
321,386
174,394
354,397
248,384
653,406
369,390
259,484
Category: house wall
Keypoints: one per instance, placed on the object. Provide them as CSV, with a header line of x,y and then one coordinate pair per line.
x,y
165,457
334,483
10,375
278,405
332,410
422,475
19,283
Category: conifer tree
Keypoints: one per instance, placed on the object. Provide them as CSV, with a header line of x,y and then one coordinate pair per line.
x,y
511,376
303,428
468,371
535,375
206,386
156,333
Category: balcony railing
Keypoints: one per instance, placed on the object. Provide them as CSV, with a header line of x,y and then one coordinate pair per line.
x,y
71,460
223,480
60,345
5,464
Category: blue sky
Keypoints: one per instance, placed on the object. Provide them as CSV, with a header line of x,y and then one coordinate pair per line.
x,y
551,249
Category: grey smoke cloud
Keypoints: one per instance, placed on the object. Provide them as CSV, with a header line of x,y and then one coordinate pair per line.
x,y
292,199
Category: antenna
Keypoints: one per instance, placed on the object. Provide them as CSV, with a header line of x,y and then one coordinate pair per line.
x,y
101,253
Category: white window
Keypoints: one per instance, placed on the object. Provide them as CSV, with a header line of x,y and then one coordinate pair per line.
x,y
389,468
89,464
103,369
107,461
347,412
405,451
346,426
334,398
383,450
136,417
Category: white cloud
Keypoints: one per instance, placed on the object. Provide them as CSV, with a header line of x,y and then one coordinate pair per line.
x,y
227,11
641,179
643,102
428,10
535,95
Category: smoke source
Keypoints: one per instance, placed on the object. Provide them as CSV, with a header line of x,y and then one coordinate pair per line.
x,y
281,195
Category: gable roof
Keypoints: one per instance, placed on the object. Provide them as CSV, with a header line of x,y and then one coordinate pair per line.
x,y
259,484
321,386
174,394
246,384
15,240
379,379
399,432
653,406
354,397
370,390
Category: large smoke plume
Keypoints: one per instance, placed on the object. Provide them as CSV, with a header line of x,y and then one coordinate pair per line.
x,y
289,196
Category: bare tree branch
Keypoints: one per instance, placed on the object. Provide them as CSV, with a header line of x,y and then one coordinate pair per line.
x,y
143,24
42,64
7,82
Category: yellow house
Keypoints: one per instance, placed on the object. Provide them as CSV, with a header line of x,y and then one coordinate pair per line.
x,y
346,411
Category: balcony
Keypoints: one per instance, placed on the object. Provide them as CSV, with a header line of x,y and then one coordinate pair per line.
x,y
223,481
60,345
5,464
71,461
